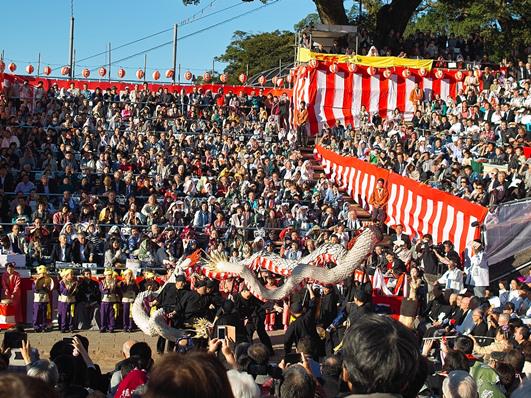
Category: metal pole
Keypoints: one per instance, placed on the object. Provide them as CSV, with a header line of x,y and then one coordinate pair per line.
x,y
145,64
279,67
72,71
109,61
71,52
213,60
175,53
39,65
179,75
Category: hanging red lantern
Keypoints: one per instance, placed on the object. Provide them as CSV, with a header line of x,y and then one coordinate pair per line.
x,y
313,63
29,69
406,73
47,70
85,73
223,78
422,72
121,73
188,75
333,68
2,66
102,71
459,75
156,75
65,70
280,82
387,73
140,74
352,67
262,80
242,78
371,70
169,74
12,67
207,77
439,74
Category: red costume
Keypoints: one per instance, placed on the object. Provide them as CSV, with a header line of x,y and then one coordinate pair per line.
x,y
11,285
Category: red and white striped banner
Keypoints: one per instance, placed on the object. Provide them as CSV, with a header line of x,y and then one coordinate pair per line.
x,y
342,95
418,207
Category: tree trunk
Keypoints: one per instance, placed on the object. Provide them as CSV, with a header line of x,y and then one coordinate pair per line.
x,y
394,16
331,12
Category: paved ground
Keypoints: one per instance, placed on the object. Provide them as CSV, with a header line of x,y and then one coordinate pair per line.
x,y
105,348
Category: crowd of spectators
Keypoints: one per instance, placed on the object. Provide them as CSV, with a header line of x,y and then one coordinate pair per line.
x,y
107,177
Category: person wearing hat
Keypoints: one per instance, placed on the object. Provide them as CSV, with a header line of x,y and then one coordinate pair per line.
x,y
67,300
11,292
42,310
109,301
128,289
252,312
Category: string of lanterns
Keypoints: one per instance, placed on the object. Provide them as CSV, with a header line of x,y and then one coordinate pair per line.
x,y
277,81
406,72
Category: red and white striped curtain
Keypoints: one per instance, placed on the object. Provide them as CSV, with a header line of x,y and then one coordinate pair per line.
x,y
341,95
418,207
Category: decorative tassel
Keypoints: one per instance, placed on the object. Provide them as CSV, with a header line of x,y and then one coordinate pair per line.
x,y
116,309
152,310
48,311
72,310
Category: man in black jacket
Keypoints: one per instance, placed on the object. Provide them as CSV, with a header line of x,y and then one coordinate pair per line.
x,y
82,250
303,325
88,297
252,311
62,250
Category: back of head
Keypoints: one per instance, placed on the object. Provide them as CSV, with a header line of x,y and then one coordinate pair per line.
x,y
304,345
455,360
297,383
464,344
516,359
194,375
142,352
17,385
377,352
459,384
243,385
44,370
259,353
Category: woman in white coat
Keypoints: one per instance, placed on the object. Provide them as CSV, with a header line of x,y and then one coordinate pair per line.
x,y
476,268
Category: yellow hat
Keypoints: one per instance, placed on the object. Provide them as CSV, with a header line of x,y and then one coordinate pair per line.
x,y
108,272
66,272
127,271
41,269
149,275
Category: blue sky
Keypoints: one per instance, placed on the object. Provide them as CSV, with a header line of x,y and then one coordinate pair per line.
x,y
43,26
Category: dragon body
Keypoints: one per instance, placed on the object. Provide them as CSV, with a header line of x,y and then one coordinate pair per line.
x,y
297,273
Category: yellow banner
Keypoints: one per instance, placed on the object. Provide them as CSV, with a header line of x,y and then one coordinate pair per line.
x,y
305,55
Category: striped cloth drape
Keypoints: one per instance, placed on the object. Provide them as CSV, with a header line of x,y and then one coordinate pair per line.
x,y
418,207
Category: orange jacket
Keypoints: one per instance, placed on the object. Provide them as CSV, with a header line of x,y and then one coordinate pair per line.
x,y
379,198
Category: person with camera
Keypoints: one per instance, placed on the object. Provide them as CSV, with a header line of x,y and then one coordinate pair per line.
x,y
429,263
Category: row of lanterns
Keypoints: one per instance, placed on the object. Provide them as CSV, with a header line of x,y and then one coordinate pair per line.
x,y
102,72
371,71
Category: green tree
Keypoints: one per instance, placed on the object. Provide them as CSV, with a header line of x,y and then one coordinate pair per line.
x,y
259,52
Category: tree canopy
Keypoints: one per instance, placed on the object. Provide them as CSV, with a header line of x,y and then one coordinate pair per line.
x,y
502,24
258,52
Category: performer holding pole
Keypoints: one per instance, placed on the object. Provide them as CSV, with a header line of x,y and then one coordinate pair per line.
x,y
67,300
109,301
129,289
42,308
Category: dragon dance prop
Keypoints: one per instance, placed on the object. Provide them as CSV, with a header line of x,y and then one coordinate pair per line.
x,y
297,272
